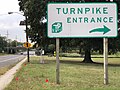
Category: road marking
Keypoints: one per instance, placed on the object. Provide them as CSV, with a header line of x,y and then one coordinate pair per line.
x,y
10,59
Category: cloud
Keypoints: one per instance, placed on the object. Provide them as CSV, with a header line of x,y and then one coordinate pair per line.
x,y
11,22
8,5
9,25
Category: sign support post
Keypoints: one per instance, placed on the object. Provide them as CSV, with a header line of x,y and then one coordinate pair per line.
x,y
105,41
57,62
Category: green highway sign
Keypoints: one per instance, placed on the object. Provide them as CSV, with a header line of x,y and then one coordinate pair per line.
x,y
82,20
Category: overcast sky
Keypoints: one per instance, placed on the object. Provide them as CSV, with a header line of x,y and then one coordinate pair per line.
x,y
10,22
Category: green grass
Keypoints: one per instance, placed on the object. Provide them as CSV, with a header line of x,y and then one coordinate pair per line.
x,y
74,75
1,54
4,69
93,55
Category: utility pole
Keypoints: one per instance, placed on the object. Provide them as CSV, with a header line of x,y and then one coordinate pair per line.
x,y
16,44
7,34
7,41
26,24
16,40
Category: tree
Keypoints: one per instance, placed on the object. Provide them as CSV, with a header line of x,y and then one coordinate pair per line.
x,y
36,12
3,43
14,43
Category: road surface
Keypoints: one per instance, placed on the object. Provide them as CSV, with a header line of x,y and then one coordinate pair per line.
x,y
10,59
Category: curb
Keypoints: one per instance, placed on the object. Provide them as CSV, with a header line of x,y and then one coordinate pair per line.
x,y
9,75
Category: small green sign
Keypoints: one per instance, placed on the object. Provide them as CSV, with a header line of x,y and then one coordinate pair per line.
x,y
57,27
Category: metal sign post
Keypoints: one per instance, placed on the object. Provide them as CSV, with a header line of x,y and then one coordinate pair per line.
x,y
105,41
57,62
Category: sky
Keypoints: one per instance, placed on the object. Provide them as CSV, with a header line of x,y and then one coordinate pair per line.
x,y
10,22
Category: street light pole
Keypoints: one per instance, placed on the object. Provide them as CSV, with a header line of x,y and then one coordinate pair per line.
x,y
26,24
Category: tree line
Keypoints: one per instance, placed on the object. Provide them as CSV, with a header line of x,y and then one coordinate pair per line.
x,y
6,45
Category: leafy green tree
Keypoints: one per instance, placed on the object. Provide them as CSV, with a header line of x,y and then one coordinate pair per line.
x,y
36,10
3,43
51,48
14,43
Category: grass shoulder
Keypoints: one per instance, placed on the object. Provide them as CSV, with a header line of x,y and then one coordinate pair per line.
x,y
74,75
4,69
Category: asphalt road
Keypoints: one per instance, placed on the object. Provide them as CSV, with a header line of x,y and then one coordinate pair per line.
x,y
10,59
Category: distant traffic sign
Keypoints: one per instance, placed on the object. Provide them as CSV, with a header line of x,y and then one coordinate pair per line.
x,y
82,20
27,45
